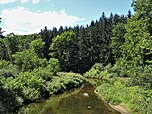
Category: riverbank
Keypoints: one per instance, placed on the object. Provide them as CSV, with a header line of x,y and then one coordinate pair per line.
x,y
118,108
72,102
120,91
126,99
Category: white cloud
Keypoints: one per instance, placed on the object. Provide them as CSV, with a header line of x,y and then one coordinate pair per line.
x,y
22,21
6,1
23,1
35,1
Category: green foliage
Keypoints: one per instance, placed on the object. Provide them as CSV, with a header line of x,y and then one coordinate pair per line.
x,y
28,85
47,39
99,71
27,60
65,49
65,82
44,73
95,71
9,102
11,46
2,49
3,64
31,73
8,70
53,66
37,47
49,71
25,41
143,7
136,51
134,98
118,39
143,78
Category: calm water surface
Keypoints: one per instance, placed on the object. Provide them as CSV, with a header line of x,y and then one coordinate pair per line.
x,y
79,101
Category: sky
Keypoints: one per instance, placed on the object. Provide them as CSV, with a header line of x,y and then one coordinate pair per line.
x,y
30,16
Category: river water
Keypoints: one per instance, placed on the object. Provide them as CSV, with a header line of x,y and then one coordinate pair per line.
x,y
78,101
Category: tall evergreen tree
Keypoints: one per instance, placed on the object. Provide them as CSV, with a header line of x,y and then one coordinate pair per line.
x,y
1,32
46,38
84,54
118,39
129,14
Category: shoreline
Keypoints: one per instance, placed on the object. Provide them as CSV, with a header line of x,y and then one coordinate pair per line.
x,y
118,108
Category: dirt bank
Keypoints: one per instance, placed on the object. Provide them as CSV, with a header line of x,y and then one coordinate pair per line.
x,y
119,108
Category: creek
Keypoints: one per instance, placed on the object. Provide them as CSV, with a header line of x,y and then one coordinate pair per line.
x,y
78,101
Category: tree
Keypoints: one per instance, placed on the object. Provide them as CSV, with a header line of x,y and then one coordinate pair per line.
x,y
8,101
118,39
84,50
65,50
27,60
37,47
2,50
137,49
1,32
11,46
105,25
129,14
46,38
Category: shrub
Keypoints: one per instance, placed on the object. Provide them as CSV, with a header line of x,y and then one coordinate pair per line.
x,y
143,78
27,60
53,66
3,64
46,73
100,72
27,85
9,102
95,71
7,69
64,82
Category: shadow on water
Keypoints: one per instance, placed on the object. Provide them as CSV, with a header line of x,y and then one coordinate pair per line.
x,y
79,101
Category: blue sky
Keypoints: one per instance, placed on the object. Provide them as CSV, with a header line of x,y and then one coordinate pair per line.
x,y
29,16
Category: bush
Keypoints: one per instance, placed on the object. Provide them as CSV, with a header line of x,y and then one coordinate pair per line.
x,y
53,66
98,71
30,85
64,82
3,64
95,71
8,70
27,85
46,73
9,102
27,60
143,78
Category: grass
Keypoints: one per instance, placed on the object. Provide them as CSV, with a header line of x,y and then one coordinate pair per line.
x,y
118,90
133,98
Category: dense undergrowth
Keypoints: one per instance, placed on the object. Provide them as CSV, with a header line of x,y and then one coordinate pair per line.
x,y
20,88
129,92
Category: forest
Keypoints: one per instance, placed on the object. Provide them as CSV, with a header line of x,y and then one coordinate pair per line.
x,y
117,49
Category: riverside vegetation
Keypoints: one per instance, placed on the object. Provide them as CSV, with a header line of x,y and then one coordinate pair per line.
x,y
123,91
116,49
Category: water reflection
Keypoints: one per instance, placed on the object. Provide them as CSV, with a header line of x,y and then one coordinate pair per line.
x,y
80,101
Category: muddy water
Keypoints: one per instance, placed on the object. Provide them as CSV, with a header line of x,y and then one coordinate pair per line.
x,y
79,101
